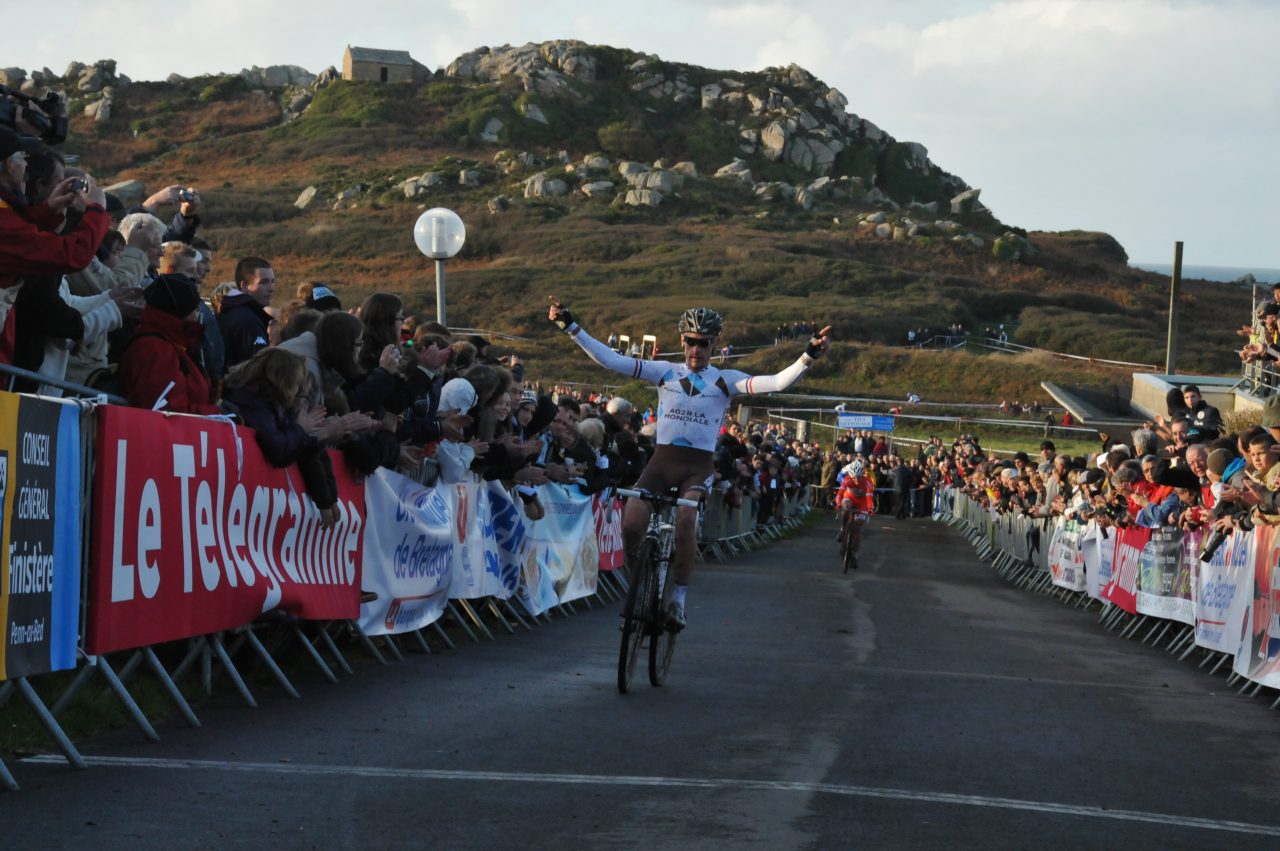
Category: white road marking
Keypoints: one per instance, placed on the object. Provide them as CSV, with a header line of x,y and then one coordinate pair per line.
x,y
1047,807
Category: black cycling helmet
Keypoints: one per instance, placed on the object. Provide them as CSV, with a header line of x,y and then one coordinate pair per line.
x,y
701,320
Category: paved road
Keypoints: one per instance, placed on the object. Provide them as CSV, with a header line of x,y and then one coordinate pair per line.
x,y
919,703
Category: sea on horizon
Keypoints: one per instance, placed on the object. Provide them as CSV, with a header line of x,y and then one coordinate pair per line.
x,y
1226,274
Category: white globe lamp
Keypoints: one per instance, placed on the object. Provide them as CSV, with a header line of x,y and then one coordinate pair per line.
x,y
439,234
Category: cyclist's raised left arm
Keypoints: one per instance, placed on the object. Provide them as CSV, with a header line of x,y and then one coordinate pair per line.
x,y
748,384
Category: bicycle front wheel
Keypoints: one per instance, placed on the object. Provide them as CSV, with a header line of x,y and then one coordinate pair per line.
x,y
662,643
637,611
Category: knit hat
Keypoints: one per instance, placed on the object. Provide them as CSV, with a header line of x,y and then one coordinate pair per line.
x,y
322,298
1178,477
174,294
1219,460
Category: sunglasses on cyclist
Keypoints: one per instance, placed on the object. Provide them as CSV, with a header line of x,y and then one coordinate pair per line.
x,y
700,342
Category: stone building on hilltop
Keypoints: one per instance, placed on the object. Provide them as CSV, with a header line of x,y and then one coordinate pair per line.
x,y
382,66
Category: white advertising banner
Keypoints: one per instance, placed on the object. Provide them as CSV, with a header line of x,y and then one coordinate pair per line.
x,y
1223,594
564,554
407,550
1066,561
1098,547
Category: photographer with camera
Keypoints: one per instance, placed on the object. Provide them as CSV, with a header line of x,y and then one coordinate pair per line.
x,y
53,321
30,241
182,228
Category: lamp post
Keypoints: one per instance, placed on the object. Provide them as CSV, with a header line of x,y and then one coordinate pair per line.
x,y
439,234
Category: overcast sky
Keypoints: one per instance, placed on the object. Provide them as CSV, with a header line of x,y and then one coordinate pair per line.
x,y
1153,120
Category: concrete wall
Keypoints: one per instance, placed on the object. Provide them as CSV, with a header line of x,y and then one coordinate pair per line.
x,y
372,71
1149,391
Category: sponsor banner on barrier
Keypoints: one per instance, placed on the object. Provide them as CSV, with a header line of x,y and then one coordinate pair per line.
x,y
1223,593
1122,590
1066,561
1098,546
564,557
1165,576
608,515
40,537
408,551
477,570
1258,654
194,532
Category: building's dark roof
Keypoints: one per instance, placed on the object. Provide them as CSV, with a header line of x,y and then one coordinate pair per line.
x,y
382,57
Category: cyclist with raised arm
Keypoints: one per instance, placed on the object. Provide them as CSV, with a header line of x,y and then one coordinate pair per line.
x,y
692,400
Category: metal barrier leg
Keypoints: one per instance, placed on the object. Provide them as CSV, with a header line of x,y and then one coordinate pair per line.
x,y
465,605
444,636
368,644
256,644
511,610
453,610
170,687
50,723
421,641
64,700
6,779
313,653
497,613
333,649
124,697
220,651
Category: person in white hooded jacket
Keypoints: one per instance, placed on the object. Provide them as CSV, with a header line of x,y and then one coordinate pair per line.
x,y
454,456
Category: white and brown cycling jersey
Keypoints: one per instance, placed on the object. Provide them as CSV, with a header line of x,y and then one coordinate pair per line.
x,y
691,404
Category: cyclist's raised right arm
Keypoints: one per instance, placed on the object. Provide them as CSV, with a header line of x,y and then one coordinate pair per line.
x,y
605,356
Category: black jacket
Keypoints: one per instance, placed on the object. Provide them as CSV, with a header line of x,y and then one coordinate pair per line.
x,y
243,323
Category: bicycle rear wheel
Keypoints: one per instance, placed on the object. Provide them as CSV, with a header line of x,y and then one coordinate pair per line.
x,y
662,642
637,611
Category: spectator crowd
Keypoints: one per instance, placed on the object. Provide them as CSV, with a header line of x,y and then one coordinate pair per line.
x,y
119,300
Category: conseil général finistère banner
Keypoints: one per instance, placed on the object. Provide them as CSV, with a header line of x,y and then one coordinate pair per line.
x,y
40,556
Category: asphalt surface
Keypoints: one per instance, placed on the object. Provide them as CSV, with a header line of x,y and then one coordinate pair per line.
x,y
919,703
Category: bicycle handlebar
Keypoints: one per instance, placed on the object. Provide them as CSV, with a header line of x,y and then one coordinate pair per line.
x,y
658,497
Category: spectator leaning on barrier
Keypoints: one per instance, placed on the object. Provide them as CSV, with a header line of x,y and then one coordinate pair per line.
x,y
160,369
243,318
179,258
266,393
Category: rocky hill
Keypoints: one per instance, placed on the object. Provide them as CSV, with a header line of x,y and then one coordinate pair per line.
x,y
629,185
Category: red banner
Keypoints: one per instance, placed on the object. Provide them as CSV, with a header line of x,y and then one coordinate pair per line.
x,y
607,510
1123,587
194,531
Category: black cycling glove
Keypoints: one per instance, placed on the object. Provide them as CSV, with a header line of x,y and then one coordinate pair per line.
x,y
565,318
814,349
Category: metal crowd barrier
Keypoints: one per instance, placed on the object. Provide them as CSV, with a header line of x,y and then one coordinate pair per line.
x,y
727,531
1018,548
315,643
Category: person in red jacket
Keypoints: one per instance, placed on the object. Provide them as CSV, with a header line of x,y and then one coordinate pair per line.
x,y
158,370
29,241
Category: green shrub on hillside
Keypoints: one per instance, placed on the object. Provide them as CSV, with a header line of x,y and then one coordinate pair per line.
x,y
223,88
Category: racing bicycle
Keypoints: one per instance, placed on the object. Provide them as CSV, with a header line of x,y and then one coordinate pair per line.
x,y
651,588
